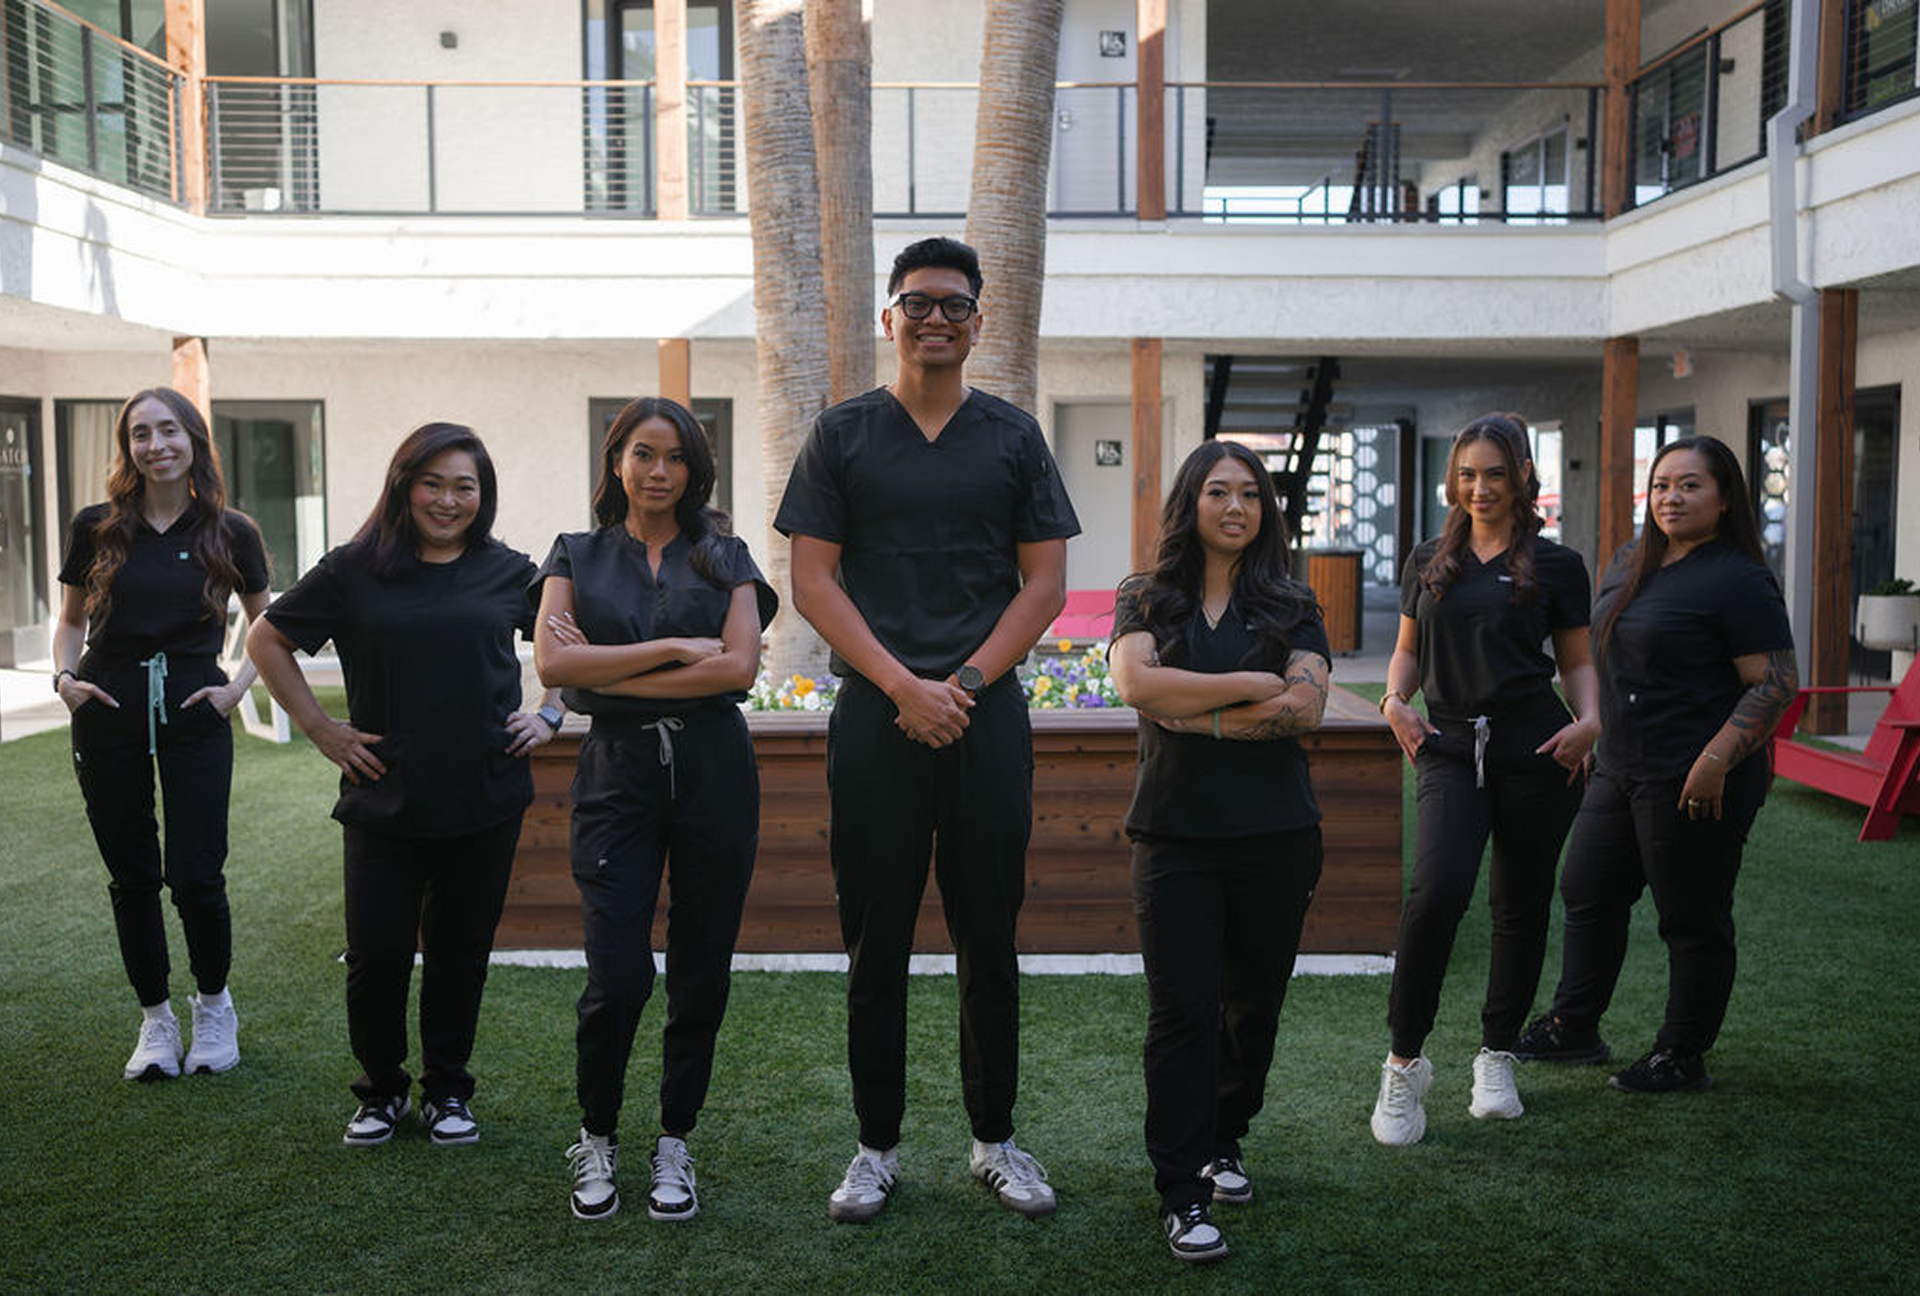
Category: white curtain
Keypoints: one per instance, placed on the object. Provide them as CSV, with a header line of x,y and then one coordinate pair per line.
x,y
89,450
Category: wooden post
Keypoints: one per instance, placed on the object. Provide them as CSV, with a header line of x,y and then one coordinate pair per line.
x,y
192,377
1619,405
1146,451
672,192
187,54
1622,63
676,370
1150,94
1833,591
1830,73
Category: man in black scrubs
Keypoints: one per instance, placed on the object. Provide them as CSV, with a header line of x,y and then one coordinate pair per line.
x,y
929,529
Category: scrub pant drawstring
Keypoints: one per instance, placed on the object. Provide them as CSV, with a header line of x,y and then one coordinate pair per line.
x,y
156,697
1481,731
666,727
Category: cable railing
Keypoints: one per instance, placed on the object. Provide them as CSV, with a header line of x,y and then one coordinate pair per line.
x,y
1700,109
1882,54
78,95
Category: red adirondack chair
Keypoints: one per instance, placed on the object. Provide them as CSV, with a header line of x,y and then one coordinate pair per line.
x,y
1885,778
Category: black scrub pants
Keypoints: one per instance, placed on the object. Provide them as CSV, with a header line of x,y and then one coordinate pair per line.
x,y
443,896
969,805
194,751
1219,927
1526,807
637,818
1631,836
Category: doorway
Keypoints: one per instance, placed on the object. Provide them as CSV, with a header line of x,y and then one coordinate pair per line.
x,y
23,535
1093,445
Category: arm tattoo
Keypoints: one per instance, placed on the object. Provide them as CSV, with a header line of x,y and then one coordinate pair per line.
x,y
1299,708
1759,708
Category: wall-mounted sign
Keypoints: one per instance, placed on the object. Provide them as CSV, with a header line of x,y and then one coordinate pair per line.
x,y
1113,44
1106,454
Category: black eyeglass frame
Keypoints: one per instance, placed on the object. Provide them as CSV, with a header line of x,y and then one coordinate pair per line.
x,y
971,304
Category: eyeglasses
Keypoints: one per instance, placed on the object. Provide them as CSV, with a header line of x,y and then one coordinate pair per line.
x,y
918,306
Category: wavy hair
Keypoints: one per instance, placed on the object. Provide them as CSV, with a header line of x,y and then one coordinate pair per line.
x,y
702,525
1270,599
212,546
1648,550
1507,433
389,536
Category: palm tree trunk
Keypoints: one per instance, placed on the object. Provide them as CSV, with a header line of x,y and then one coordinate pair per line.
x,y
1007,212
790,326
840,83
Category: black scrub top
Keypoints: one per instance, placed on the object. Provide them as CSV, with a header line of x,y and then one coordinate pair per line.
x,y
1667,680
157,605
618,600
928,529
1202,787
1481,650
429,663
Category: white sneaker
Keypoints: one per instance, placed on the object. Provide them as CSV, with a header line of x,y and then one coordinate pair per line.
x,y
1230,1180
1494,1094
594,1159
216,1038
1016,1178
672,1196
1398,1117
864,1189
157,1055
1192,1235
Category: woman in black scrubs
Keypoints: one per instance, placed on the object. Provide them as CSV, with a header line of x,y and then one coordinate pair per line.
x,y
1496,755
422,606
1696,666
148,575
1226,658
652,623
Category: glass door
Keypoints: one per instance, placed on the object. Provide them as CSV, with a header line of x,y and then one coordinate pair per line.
x,y
23,544
711,110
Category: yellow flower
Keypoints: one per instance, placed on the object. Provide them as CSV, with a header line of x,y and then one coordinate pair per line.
x,y
1042,684
1066,645
802,685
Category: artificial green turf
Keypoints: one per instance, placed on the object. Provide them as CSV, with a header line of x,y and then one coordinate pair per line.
x,y
1796,1172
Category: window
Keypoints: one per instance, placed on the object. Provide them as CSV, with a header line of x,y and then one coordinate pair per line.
x,y
23,534
715,416
1547,465
1669,111
1883,47
1535,180
272,455
1456,204
1647,439
620,46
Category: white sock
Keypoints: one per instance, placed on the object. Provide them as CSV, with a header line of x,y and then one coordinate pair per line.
x,y
879,1154
983,1149
220,1001
162,1011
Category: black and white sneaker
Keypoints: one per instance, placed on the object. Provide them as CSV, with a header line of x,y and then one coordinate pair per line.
x,y
1230,1180
373,1124
448,1121
1191,1234
672,1197
594,1159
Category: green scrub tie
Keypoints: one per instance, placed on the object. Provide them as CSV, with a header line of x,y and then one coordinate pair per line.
x,y
156,696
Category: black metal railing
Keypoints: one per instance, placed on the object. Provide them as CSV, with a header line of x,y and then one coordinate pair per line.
x,y
79,95
1701,109
1882,54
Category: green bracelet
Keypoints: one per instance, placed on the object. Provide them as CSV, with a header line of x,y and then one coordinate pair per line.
x,y
1216,722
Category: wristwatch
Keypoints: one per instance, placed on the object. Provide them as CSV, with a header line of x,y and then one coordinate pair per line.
x,y
56,678
969,678
553,715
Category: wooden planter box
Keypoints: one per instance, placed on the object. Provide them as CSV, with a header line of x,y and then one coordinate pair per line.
x,y
1078,896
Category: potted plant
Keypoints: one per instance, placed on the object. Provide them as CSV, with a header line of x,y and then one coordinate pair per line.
x,y
1889,617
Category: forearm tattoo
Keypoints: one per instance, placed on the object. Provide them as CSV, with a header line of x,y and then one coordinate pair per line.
x,y
1758,711
1298,710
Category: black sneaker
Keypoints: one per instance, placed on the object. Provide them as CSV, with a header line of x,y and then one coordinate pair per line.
x,y
448,1121
1663,1071
1191,1234
373,1123
1551,1040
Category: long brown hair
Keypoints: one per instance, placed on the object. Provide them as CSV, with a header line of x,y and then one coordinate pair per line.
x,y
1649,549
126,498
701,524
1508,434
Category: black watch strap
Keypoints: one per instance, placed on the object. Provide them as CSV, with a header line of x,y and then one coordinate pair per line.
x,y
553,715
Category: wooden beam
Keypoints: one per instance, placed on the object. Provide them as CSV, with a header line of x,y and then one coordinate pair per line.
x,y
672,193
1619,406
187,55
1146,450
192,376
1830,71
1831,637
676,370
1150,100
1622,60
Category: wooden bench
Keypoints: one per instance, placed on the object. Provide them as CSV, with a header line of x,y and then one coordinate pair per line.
x,y
1885,778
1078,895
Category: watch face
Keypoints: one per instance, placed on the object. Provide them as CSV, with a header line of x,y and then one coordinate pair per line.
x,y
970,678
